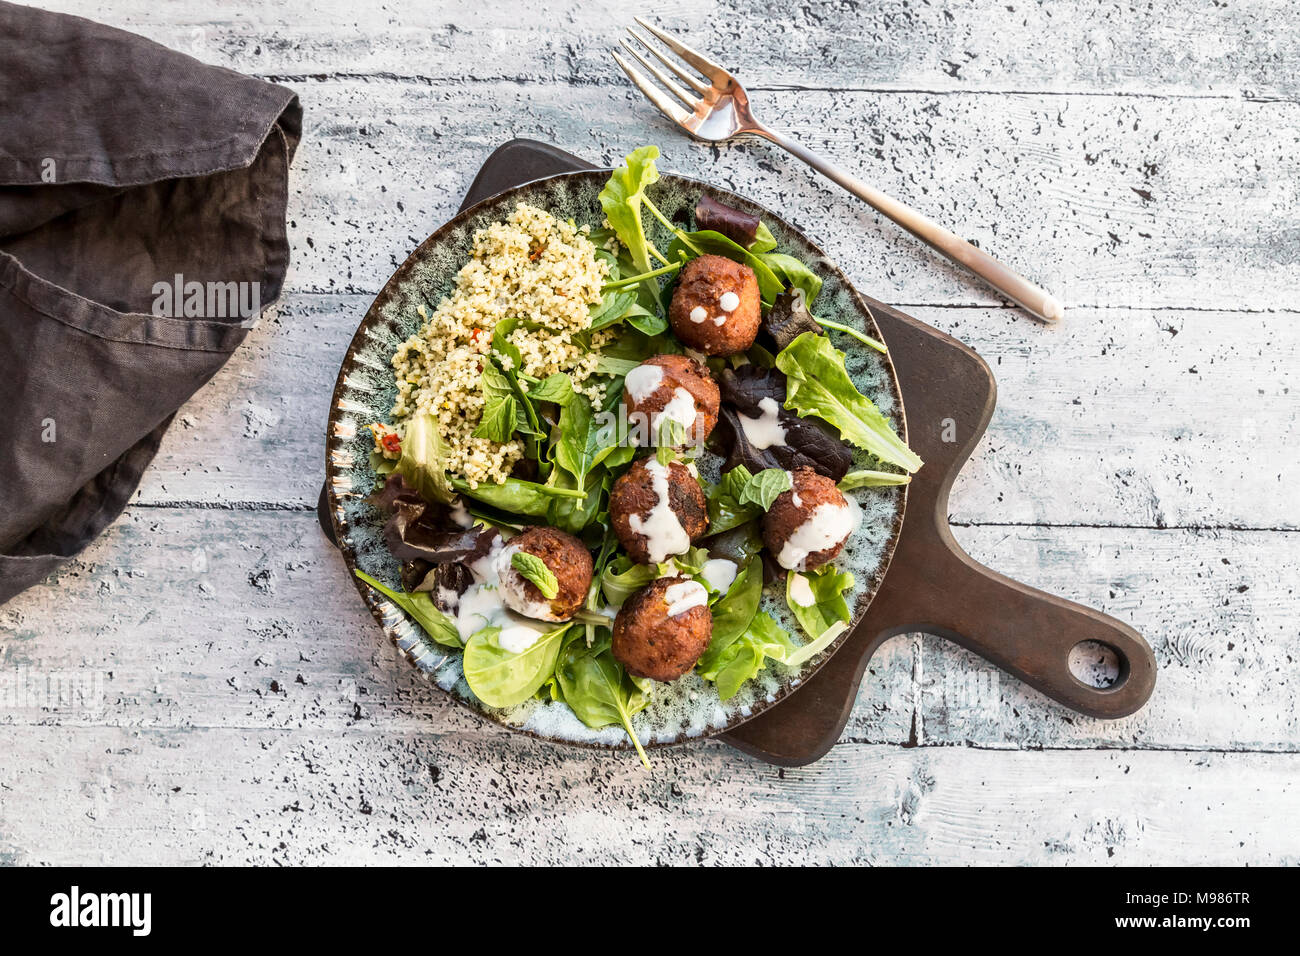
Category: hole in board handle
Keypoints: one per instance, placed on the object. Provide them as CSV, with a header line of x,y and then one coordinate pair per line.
x,y
1097,665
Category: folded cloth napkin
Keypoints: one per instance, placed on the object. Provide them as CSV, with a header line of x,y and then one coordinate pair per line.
x,y
142,229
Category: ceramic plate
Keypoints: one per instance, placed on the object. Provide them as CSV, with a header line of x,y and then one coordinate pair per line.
x,y
688,708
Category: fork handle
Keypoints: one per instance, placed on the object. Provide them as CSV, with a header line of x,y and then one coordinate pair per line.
x,y
1007,281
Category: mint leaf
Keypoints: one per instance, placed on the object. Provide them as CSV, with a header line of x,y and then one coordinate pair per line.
x,y
535,570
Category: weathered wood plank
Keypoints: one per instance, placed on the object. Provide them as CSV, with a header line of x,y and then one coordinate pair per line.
x,y
1129,203
233,619
1170,48
235,796
1115,418
1217,607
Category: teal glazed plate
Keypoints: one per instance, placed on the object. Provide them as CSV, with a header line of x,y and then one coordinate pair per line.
x,y
689,708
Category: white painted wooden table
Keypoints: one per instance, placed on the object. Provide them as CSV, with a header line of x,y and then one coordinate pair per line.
x,y
241,706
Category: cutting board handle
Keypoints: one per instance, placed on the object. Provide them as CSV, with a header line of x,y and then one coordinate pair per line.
x,y
1024,631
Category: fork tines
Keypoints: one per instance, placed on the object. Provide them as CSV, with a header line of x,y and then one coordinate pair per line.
x,y
718,77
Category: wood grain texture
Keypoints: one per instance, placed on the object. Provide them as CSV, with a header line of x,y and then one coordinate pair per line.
x,y
202,685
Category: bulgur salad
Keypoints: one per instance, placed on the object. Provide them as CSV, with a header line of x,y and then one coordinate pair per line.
x,y
601,451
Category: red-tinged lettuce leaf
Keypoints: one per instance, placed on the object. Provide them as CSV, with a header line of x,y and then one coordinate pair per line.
x,y
739,227
789,318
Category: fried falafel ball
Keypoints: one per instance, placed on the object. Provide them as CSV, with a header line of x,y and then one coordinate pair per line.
x,y
674,387
808,525
657,510
564,555
715,307
661,630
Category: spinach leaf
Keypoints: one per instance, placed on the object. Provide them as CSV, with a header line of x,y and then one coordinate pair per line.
x,y
823,590
599,691
621,579
573,513
743,658
419,605
577,438
516,496
733,613
762,489
499,410
502,678
764,241
535,570
872,479
423,459
621,201
817,383
794,274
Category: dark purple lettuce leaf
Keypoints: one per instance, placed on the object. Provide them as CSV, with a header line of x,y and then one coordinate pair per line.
x,y
739,227
789,318
420,530
808,444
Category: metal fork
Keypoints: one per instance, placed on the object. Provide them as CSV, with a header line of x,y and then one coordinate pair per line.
x,y
719,110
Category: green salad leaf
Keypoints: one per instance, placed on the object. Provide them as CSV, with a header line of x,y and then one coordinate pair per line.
x,y
503,678
764,241
423,461
557,388
598,690
726,511
824,589
499,409
733,613
419,605
872,479
621,579
794,274
817,383
742,659
621,200
516,496
535,570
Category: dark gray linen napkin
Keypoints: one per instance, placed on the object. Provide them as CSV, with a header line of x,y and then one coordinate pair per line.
x,y
142,228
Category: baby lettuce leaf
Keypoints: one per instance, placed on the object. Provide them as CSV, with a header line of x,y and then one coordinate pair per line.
x,y
621,200
764,241
739,227
501,678
794,274
621,579
829,609
423,459
817,383
598,690
872,479
557,388
743,658
422,610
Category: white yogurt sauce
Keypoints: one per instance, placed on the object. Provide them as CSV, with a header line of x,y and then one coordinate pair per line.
x,y
680,409
480,607
719,573
662,529
683,596
641,382
460,514
699,314
728,301
826,527
801,591
766,430
484,569
721,319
